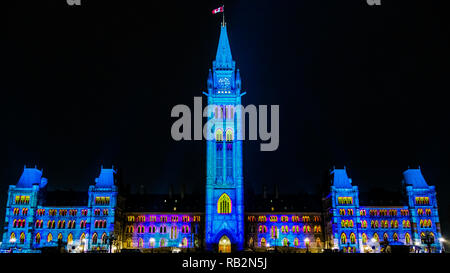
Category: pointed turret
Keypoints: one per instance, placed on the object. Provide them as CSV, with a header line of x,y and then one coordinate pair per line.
x,y
30,177
238,80
414,177
340,178
224,60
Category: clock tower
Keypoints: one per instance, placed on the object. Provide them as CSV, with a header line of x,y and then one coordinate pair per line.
x,y
224,221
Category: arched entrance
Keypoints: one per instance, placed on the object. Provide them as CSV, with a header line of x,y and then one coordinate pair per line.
x,y
224,245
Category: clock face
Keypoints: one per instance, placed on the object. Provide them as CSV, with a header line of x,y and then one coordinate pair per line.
x,y
224,83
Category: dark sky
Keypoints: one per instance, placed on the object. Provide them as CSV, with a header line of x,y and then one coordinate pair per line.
x,y
357,85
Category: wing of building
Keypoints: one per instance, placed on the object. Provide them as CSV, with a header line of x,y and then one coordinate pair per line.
x,y
109,218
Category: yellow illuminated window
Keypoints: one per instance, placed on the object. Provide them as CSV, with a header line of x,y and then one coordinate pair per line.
x,y
224,204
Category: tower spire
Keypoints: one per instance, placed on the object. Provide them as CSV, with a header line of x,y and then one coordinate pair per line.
x,y
224,58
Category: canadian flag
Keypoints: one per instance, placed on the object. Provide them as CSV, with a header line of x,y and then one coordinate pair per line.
x,y
215,11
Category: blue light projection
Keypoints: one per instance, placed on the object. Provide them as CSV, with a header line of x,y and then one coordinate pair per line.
x,y
224,218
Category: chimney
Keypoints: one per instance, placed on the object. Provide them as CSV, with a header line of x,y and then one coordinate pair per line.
x,y
276,191
170,191
265,191
183,190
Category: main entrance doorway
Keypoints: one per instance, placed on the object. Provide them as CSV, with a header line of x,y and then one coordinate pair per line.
x,y
224,245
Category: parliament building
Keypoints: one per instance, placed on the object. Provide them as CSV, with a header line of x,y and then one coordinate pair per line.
x,y
108,218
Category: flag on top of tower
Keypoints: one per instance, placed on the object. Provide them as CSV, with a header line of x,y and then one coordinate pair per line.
x,y
218,10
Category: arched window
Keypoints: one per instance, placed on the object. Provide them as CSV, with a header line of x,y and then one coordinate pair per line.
x,y
151,242
70,239
162,243
229,135
82,239
184,242
296,242
49,238
352,238
219,135
407,239
343,238
285,242
173,232
364,238
274,232
129,243
38,238
104,238
22,238
385,237
60,238
395,237
12,237
375,236
224,204
141,242
318,242
263,242
94,238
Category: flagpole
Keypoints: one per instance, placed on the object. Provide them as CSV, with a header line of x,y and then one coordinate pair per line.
x,y
223,15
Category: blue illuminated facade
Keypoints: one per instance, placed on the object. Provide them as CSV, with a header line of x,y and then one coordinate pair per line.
x,y
30,224
107,218
224,218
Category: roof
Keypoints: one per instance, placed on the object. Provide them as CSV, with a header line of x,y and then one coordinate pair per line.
x,y
340,179
301,202
65,198
105,179
223,55
164,203
414,177
30,177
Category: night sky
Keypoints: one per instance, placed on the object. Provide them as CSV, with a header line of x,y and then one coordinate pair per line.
x,y
357,85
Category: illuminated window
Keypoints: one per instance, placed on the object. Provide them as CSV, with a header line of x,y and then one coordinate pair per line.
x,y
184,242
151,242
274,232
273,218
306,229
140,243
229,135
295,218
12,237
162,243
22,238
49,238
364,224
94,238
407,239
70,239
173,232
385,237
364,238
343,238
224,204
395,237
263,242
352,238
104,238
219,135
296,242
375,236
285,242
